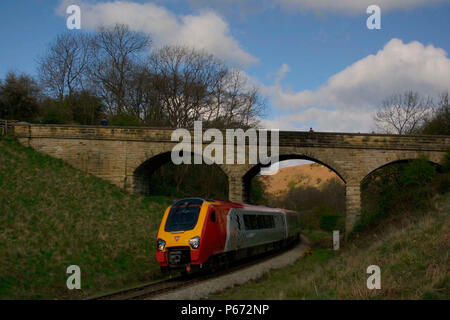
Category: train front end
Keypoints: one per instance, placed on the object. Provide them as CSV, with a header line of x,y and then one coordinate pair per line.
x,y
179,236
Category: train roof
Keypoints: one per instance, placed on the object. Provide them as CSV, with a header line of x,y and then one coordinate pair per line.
x,y
231,204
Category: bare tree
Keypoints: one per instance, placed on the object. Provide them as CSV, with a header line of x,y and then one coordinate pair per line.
x,y
235,103
184,79
439,121
143,99
193,85
116,49
403,113
174,87
63,67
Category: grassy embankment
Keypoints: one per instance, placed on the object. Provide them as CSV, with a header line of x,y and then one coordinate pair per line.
x,y
412,252
53,216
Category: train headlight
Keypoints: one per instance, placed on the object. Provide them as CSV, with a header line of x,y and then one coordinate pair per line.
x,y
194,242
160,244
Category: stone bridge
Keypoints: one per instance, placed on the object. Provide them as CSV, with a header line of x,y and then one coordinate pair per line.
x,y
127,156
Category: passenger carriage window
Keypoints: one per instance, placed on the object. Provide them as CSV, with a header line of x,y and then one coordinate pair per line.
x,y
254,220
261,222
250,221
247,222
213,216
267,221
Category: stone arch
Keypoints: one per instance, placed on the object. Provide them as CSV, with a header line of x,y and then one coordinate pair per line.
x,y
383,164
253,171
402,160
144,170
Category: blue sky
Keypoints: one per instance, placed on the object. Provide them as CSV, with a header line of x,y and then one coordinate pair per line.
x,y
316,62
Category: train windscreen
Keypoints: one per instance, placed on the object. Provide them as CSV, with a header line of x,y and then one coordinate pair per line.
x,y
183,215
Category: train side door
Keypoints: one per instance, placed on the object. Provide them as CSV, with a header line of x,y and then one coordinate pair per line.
x,y
221,217
213,232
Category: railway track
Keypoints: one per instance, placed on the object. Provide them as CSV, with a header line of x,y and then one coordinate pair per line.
x,y
149,289
171,284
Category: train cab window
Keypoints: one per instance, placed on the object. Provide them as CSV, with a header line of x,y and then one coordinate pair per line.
x,y
212,217
183,215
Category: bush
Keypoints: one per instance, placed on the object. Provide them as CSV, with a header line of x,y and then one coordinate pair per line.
x,y
178,181
125,120
55,112
414,183
396,189
309,220
444,183
329,222
446,162
444,177
440,121
257,192
87,109
19,97
321,217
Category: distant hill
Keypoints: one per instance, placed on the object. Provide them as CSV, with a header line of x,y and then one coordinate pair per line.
x,y
313,174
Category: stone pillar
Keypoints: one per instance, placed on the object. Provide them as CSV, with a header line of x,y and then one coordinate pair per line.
x,y
128,183
235,188
137,185
353,205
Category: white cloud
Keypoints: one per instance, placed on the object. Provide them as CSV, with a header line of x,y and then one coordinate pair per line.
x,y
352,6
352,95
207,30
395,68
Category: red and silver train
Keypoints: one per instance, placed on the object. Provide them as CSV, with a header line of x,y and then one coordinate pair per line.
x,y
197,234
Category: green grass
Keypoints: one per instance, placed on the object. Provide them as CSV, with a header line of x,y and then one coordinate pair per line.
x,y
53,216
413,255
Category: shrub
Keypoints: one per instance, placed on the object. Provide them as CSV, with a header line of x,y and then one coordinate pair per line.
x,y
19,97
396,189
206,181
329,222
309,220
125,120
444,183
446,162
444,177
55,112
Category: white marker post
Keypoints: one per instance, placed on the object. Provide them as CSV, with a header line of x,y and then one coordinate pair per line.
x,y
336,240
